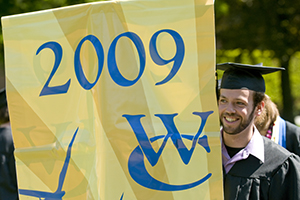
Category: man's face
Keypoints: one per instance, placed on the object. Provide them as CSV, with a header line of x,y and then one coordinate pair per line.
x,y
236,110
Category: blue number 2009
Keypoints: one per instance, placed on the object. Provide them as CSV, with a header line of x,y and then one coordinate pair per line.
x,y
56,48
178,58
113,69
77,64
112,64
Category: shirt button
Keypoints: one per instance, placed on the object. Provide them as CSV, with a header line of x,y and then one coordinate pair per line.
x,y
245,154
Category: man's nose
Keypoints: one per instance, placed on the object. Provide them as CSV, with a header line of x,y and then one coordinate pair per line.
x,y
230,108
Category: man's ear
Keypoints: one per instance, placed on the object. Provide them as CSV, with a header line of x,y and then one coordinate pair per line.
x,y
259,108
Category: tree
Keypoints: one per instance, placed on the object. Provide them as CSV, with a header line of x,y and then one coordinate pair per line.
x,y
265,25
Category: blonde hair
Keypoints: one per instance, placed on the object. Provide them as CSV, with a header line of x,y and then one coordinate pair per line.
x,y
267,117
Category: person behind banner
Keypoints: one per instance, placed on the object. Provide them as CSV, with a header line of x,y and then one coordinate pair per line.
x,y
254,167
271,125
8,179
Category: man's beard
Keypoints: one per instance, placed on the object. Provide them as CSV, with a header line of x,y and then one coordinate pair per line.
x,y
242,126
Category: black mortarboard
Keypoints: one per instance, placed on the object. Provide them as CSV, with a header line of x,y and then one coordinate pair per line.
x,y
3,101
238,76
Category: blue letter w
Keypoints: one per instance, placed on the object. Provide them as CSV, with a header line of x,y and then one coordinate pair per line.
x,y
168,121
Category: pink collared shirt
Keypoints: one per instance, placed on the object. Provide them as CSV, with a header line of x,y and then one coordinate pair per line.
x,y
255,147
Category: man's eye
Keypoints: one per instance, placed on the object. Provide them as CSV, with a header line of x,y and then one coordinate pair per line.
x,y
240,103
223,101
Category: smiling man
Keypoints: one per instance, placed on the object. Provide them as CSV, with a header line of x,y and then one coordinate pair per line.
x,y
253,166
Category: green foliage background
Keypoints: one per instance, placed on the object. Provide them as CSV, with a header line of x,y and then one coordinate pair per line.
x,y
267,31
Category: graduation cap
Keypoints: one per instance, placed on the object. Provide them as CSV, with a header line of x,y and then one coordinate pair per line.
x,y
238,76
3,101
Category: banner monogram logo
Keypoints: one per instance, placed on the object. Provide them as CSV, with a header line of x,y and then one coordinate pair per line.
x,y
136,165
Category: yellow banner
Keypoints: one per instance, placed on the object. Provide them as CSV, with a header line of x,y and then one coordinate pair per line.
x,y
115,100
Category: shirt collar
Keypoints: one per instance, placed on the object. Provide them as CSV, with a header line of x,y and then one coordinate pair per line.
x,y
255,147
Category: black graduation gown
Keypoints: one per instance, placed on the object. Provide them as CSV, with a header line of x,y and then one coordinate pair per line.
x,y
278,178
293,138
8,180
